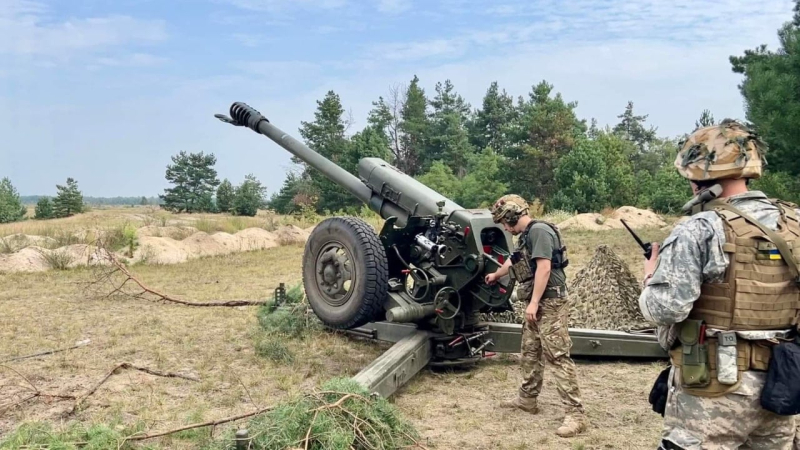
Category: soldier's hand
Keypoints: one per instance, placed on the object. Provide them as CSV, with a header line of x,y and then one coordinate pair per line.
x,y
650,264
491,278
530,311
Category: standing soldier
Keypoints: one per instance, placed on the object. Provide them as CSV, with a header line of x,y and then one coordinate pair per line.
x,y
723,289
538,267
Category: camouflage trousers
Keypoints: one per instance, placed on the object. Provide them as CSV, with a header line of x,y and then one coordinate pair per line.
x,y
732,421
547,340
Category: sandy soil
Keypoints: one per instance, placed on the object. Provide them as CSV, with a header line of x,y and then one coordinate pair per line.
x,y
156,245
634,217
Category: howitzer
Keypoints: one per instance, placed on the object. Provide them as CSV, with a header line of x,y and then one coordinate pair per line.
x,y
419,283
426,266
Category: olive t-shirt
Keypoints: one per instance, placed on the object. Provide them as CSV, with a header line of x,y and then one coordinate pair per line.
x,y
542,240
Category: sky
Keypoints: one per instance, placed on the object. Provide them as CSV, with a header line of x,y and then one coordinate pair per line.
x,y
106,91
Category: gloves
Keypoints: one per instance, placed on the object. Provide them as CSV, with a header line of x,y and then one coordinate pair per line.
x,y
658,394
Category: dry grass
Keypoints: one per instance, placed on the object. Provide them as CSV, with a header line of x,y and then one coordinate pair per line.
x,y
453,410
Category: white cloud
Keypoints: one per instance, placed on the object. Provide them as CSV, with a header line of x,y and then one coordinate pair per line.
x,y
132,60
394,6
36,34
283,5
692,22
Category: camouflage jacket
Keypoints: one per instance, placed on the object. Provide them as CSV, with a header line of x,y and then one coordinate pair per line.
x,y
690,256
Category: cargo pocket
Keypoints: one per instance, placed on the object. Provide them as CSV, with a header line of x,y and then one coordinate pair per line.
x,y
555,332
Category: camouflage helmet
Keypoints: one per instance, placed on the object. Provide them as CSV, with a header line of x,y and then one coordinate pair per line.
x,y
509,208
727,150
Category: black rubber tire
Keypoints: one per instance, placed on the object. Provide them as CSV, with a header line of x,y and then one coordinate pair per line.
x,y
370,285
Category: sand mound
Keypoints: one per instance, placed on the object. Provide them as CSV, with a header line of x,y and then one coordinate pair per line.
x,y
167,250
170,231
160,245
634,217
38,259
605,295
292,234
16,242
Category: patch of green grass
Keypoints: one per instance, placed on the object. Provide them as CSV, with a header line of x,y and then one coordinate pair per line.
x,y
341,416
73,437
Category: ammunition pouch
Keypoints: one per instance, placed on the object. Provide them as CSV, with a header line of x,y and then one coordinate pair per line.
x,y
694,355
712,366
521,267
781,392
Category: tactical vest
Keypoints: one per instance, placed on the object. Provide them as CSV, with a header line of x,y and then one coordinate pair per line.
x,y
524,266
760,291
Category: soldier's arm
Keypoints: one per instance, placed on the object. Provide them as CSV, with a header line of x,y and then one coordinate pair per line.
x,y
540,279
542,244
691,254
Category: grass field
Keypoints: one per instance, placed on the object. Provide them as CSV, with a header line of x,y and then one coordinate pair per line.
x,y
238,372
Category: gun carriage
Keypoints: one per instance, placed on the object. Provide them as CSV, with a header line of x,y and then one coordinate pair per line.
x,y
419,282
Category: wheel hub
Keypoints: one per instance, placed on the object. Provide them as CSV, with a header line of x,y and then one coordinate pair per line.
x,y
334,273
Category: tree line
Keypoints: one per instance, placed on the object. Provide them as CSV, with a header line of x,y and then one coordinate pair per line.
x,y
198,189
536,145
68,201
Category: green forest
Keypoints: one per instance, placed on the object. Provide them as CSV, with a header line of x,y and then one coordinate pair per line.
x,y
535,145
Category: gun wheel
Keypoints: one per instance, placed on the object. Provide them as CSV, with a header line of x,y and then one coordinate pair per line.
x,y
345,272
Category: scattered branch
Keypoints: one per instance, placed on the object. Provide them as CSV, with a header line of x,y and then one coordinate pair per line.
x,y
199,425
37,392
117,370
49,352
118,270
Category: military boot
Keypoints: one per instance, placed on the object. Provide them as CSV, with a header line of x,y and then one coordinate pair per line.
x,y
572,425
527,404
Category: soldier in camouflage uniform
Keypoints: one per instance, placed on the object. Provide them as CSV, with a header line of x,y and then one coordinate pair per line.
x,y
539,272
718,279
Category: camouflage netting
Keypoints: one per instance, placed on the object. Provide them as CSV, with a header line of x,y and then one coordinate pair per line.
x,y
604,296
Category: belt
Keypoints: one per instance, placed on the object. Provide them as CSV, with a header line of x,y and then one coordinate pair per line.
x,y
555,292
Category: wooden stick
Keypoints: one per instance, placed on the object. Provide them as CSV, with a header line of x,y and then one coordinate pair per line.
x,y
49,352
199,425
126,365
164,297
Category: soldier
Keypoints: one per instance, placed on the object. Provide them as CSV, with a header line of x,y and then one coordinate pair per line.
x,y
538,268
719,287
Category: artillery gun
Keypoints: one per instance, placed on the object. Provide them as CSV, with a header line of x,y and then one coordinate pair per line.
x,y
419,282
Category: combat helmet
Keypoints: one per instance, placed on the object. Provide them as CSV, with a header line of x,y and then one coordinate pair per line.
x,y
727,150
509,208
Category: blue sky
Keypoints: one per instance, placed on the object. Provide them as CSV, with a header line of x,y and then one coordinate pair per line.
x,y
106,91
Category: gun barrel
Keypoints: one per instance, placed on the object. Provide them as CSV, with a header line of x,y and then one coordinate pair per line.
x,y
248,116
384,189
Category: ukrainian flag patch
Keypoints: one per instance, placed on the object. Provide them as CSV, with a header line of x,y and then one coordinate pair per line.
x,y
768,250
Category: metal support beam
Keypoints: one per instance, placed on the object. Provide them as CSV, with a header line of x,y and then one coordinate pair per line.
x,y
397,365
506,338
585,342
413,349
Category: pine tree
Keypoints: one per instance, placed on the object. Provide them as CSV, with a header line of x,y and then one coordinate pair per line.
x,y
415,129
546,128
11,208
491,125
325,135
195,179
225,196
771,91
249,197
44,209
69,199
706,119
449,139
